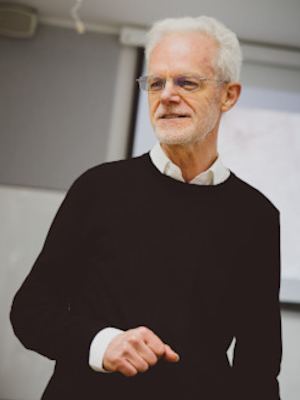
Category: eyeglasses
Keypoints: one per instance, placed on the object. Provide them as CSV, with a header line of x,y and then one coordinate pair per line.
x,y
189,83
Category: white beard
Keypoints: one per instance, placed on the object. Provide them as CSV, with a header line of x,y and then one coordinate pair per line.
x,y
191,133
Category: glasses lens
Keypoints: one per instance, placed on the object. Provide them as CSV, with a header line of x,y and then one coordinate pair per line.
x,y
188,83
155,83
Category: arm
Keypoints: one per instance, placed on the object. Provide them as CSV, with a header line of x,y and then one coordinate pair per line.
x,y
257,352
41,314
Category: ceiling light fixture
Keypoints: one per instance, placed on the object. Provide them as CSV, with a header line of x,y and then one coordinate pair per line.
x,y
75,15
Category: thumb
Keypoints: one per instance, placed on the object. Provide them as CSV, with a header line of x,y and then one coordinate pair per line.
x,y
170,354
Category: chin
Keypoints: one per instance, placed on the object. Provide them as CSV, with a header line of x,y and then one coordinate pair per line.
x,y
179,137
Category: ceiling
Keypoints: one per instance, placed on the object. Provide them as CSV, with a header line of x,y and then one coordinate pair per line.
x,y
274,22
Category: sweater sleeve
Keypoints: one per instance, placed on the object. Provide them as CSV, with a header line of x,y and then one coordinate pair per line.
x,y
41,313
257,354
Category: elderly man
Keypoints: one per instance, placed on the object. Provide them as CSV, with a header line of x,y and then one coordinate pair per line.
x,y
153,265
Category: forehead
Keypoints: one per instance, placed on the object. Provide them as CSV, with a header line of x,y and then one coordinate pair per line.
x,y
183,52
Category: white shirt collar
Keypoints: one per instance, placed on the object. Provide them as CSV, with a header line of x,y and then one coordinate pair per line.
x,y
215,174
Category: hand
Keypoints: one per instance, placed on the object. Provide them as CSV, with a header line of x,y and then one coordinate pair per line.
x,y
135,351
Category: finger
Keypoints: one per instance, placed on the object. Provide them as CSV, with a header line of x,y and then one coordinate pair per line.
x,y
146,353
137,342
127,369
137,362
170,355
154,343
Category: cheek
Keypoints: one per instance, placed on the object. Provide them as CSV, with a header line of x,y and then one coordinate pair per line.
x,y
203,107
153,104
193,107
193,102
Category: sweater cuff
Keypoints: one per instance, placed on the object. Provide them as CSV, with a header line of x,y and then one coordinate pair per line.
x,y
98,347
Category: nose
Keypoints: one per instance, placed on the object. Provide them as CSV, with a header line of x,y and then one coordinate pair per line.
x,y
169,93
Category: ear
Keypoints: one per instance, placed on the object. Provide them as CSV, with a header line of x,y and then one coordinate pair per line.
x,y
230,95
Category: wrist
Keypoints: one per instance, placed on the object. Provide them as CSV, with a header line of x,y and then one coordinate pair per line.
x,y
98,347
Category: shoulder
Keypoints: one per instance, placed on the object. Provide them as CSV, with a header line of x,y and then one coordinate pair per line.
x,y
114,168
101,182
112,173
252,200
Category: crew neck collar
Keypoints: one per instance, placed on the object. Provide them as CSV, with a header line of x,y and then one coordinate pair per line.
x,y
217,173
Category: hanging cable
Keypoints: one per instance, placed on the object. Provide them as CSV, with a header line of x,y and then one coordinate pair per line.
x,y
75,15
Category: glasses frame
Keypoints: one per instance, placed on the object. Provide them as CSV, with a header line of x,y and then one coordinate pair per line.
x,y
143,79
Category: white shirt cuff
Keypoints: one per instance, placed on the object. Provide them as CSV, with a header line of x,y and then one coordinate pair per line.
x,y
98,347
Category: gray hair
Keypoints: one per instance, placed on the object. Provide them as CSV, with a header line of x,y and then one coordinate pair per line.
x,y
227,66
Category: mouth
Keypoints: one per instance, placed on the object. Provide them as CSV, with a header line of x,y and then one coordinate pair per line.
x,y
173,116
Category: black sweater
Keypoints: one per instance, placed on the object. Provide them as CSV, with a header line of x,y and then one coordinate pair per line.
x,y
198,265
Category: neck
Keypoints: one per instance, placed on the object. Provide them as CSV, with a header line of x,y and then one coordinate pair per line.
x,y
192,158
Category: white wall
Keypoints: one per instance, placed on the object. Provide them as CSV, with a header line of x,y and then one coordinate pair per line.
x,y
289,377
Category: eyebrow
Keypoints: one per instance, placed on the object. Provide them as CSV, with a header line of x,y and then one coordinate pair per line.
x,y
179,74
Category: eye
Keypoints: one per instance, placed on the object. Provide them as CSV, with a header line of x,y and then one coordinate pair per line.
x,y
189,83
155,84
